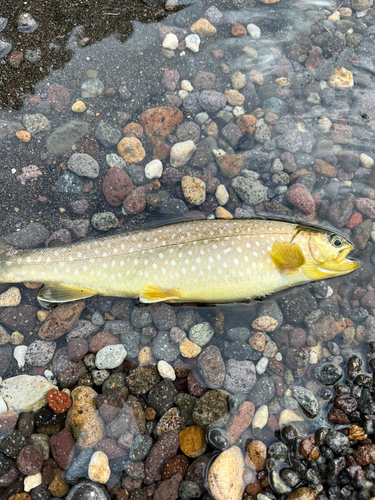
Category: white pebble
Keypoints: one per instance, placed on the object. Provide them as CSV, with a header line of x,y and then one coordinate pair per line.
x,y
260,418
238,111
192,42
329,292
366,161
32,482
166,370
170,42
313,358
253,30
154,169
278,356
111,356
182,94
3,405
50,376
261,366
186,85
19,355
221,194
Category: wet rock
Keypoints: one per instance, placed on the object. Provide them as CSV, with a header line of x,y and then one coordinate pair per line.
x,y
240,421
117,185
250,191
263,391
131,149
211,367
163,348
62,448
225,475
40,353
240,376
83,419
142,379
107,135
328,373
61,320
337,441
69,183
181,153
212,101
84,165
158,123
92,88
256,455
30,460
306,399
324,329
30,236
231,165
25,393
211,407
64,137
164,449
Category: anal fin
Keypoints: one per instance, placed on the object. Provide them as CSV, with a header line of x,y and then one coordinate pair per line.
x,y
61,293
151,294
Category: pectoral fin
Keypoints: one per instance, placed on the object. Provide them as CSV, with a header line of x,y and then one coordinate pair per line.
x,y
313,273
154,294
60,293
287,257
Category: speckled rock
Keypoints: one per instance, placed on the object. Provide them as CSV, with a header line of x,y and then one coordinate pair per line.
x,y
131,149
40,353
194,190
225,475
61,320
83,419
142,379
211,407
240,376
25,393
211,366
164,449
99,470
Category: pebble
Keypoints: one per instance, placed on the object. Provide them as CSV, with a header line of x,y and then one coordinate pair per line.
x,y
265,324
211,367
201,333
212,101
31,482
181,153
299,196
239,421
25,393
306,399
166,370
251,192
193,441
164,449
203,27
30,460
131,149
341,79
83,418
328,373
192,42
256,455
225,475
99,470
240,376
189,349
61,320
104,221
59,401
110,357
79,107
253,30
154,169
83,165
92,88
170,41
62,448
194,190
6,47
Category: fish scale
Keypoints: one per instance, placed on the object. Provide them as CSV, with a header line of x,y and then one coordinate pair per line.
x,y
205,260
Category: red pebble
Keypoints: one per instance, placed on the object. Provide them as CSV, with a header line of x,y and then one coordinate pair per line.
x,y
272,423
59,401
62,448
238,30
355,219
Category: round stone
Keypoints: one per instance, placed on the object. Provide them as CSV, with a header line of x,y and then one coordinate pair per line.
x,y
166,370
153,169
83,165
131,150
110,356
170,41
328,373
201,334
79,107
99,470
192,42
253,30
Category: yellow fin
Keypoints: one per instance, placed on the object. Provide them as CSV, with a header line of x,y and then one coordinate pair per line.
x,y
154,294
287,257
61,293
312,272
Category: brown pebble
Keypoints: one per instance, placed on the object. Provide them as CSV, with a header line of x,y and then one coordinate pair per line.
x,y
238,30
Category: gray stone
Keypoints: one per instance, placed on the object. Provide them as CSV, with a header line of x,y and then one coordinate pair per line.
x,y
5,47
92,88
140,317
40,353
78,468
36,123
232,134
163,348
263,391
251,192
84,165
104,221
337,441
87,489
239,333
271,308
64,137
140,448
115,161
306,399
7,128
240,376
328,373
69,183
33,56
107,135
130,341
275,105
212,100
189,489
31,236
211,366
290,141
26,23
201,333
110,356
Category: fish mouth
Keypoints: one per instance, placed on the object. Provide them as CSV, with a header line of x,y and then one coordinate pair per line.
x,y
341,265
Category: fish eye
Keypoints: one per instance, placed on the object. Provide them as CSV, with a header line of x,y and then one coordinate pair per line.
x,y
336,241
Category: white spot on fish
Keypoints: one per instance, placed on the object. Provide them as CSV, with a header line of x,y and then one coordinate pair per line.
x,y
239,250
255,254
173,262
198,260
257,243
160,255
236,262
227,250
91,261
135,262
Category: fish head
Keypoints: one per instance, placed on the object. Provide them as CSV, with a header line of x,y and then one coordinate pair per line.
x,y
325,253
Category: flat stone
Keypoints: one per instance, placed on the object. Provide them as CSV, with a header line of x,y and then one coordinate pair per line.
x,y
25,393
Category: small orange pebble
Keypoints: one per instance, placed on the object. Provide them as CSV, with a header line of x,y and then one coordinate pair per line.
x,y
58,401
23,136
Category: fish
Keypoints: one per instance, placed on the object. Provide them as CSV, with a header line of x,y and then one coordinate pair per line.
x,y
210,261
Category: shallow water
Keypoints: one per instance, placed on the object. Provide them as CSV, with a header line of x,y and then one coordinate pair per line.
x,y
306,128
